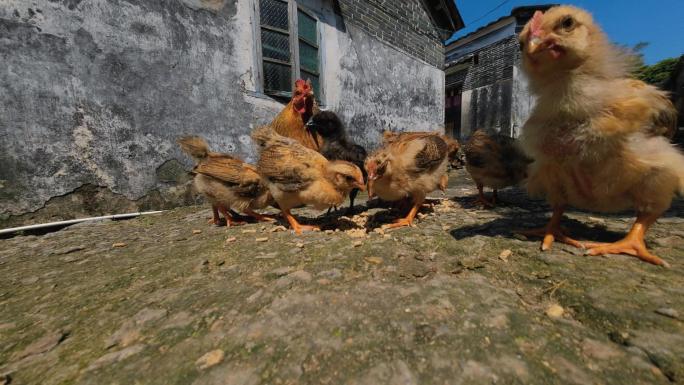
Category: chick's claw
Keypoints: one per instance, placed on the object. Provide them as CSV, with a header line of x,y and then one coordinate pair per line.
x,y
551,235
630,245
403,222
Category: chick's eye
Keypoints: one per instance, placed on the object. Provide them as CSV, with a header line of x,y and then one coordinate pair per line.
x,y
568,23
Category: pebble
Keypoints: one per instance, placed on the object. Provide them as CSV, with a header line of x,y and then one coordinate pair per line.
x,y
299,245
262,239
281,271
117,356
43,344
210,359
125,336
249,231
119,244
357,243
197,231
505,254
373,260
231,239
555,311
329,232
301,275
69,249
278,228
668,312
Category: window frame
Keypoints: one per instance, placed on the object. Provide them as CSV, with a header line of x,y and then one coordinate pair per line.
x,y
294,39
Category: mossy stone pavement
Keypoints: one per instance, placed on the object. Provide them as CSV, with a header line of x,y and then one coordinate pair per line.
x,y
457,299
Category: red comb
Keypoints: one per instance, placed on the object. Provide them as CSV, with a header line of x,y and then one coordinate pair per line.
x,y
535,24
300,83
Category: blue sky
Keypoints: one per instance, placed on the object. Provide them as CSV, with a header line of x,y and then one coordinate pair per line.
x,y
658,22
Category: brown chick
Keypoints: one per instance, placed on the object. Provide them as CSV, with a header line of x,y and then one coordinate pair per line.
x,y
453,149
227,182
298,175
410,165
493,160
291,121
598,138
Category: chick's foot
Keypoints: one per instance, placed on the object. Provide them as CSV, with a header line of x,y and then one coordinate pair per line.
x,y
633,244
553,232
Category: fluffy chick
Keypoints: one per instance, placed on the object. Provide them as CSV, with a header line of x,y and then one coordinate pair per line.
x,y
298,175
410,165
494,160
453,149
598,138
227,182
336,144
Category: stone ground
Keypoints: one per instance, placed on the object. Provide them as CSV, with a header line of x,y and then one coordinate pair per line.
x,y
169,299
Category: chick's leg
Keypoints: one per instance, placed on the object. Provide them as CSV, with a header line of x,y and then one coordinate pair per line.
x,y
632,244
298,228
552,231
408,220
259,217
481,200
352,196
230,220
216,219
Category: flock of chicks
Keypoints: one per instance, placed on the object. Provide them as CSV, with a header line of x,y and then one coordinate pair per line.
x,y
596,140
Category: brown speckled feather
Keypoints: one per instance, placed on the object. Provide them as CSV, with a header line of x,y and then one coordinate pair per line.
x,y
494,160
432,154
240,176
286,162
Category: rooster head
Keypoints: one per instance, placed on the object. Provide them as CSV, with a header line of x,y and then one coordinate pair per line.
x,y
303,97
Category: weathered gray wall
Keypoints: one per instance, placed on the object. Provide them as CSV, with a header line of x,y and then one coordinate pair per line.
x,y
94,94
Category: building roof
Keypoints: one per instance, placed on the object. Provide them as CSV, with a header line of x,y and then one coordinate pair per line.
x,y
445,16
519,13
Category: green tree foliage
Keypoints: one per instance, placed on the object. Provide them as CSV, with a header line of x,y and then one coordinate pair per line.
x,y
657,73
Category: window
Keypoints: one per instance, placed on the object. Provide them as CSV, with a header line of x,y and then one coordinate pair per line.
x,y
289,47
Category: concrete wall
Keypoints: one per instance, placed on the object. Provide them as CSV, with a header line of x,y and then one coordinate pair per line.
x,y
495,95
94,94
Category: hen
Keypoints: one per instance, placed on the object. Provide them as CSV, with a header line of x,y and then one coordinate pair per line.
x,y
409,165
493,160
598,138
298,175
336,144
227,182
291,121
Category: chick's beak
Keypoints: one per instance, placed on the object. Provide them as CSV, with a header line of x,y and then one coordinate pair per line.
x,y
534,45
370,188
361,186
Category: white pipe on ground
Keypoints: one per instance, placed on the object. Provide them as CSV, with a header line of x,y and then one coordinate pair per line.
x,y
74,221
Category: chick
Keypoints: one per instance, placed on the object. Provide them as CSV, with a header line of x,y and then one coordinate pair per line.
x,y
598,138
336,144
298,175
410,165
227,182
453,149
493,160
